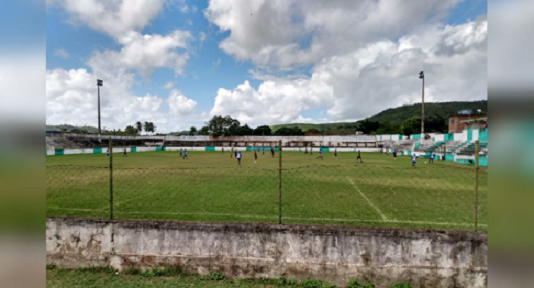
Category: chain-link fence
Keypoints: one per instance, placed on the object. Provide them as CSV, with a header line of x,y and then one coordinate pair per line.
x,y
438,198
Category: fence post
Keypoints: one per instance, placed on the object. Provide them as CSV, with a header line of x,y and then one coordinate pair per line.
x,y
476,184
279,181
110,179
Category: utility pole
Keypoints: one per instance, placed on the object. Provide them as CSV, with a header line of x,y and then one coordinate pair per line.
x,y
422,76
98,84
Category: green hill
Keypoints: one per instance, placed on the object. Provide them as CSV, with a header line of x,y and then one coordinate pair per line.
x,y
70,128
397,115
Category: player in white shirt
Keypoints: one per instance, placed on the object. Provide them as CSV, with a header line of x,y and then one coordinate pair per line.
x,y
238,156
413,159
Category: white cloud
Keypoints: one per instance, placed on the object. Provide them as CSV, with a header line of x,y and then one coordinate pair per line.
x,y
62,53
71,97
114,18
179,104
270,33
168,85
272,102
71,94
378,76
144,53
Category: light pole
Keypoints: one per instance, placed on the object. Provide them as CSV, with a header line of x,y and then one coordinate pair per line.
x,y
98,84
422,76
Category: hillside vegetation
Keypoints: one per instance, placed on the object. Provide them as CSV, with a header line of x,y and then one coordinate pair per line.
x,y
396,115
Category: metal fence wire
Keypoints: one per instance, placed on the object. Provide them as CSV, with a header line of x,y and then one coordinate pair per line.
x,y
377,196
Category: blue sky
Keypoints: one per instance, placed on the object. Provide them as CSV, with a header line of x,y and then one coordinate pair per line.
x,y
296,65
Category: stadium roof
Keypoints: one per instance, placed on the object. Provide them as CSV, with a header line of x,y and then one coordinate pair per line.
x,y
483,119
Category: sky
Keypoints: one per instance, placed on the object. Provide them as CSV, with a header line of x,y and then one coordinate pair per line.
x,y
178,63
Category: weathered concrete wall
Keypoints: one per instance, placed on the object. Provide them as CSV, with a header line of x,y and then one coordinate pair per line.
x,y
424,258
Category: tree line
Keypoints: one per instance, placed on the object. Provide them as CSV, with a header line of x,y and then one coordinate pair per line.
x,y
227,126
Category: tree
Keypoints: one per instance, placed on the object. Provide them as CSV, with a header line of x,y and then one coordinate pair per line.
x,y
244,130
436,123
223,126
367,126
193,131
205,130
411,126
138,127
284,131
146,126
152,127
387,127
262,130
130,130
231,125
313,131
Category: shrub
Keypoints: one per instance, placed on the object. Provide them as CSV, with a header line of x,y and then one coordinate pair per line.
x,y
311,283
214,276
355,283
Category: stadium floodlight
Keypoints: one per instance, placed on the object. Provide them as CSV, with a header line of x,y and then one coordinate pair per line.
x,y
422,77
98,84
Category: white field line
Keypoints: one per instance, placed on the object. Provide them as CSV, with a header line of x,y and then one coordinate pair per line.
x,y
367,199
289,218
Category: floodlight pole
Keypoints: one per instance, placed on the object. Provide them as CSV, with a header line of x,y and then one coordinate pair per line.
x,y
422,76
98,84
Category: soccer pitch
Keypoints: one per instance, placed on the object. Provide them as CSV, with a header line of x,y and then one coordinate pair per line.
x,y
210,186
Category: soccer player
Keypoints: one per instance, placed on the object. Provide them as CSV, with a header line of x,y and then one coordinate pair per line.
x,y
431,158
320,154
124,152
255,156
311,150
222,150
359,157
413,160
180,151
335,153
108,152
395,154
185,154
238,156
263,153
232,152
272,151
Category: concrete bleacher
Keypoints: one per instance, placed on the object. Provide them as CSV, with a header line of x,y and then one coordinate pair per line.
x,y
403,145
469,149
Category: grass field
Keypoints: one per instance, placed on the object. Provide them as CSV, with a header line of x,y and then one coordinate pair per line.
x,y
210,186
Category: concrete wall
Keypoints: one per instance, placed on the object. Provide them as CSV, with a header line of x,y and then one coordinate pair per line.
x,y
424,258
284,139
200,149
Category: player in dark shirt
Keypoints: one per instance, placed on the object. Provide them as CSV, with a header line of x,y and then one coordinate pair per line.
x,y
359,157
